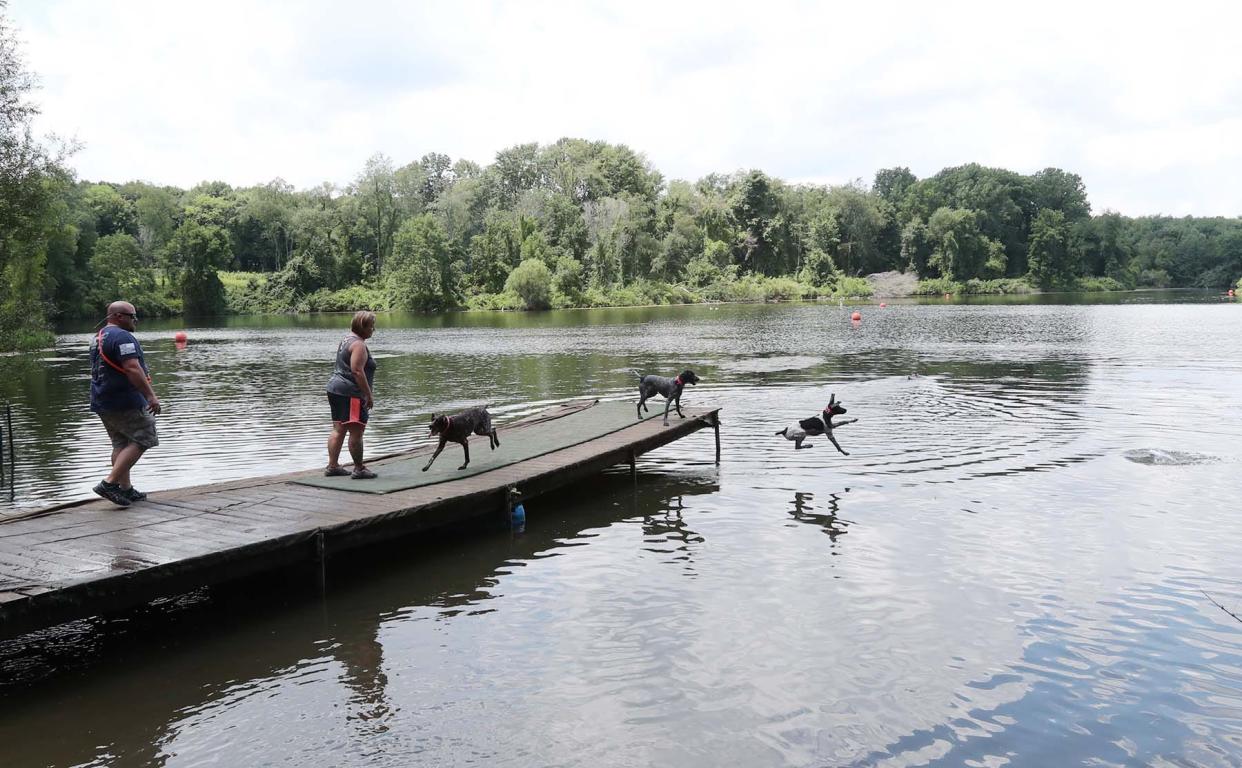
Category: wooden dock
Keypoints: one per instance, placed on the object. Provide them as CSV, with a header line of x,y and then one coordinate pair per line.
x,y
89,558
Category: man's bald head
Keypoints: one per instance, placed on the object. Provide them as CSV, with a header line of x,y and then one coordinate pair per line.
x,y
122,313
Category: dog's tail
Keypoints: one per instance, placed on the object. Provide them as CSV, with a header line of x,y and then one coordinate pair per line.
x,y
637,375
782,432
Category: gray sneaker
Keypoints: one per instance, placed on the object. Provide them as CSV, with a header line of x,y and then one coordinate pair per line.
x,y
112,493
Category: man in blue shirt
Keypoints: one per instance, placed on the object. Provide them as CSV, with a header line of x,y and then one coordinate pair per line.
x,y
122,396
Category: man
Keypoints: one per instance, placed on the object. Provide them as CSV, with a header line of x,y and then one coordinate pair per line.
x,y
122,396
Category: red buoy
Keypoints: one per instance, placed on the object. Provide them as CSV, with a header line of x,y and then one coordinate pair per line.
x,y
179,337
856,316
883,305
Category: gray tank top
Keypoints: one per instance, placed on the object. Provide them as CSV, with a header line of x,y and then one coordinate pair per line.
x,y
342,381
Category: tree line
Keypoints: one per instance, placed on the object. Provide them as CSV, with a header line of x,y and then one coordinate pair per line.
x,y
572,223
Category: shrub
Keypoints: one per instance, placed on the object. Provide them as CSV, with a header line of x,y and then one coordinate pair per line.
x,y
568,281
532,282
1095,284
1001,286
782,289
936,286
350,299
1154,278
851,287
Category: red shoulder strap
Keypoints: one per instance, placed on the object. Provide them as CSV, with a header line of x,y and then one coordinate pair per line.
x,y
104,356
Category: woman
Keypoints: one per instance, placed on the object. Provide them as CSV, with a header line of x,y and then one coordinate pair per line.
x,y
350,396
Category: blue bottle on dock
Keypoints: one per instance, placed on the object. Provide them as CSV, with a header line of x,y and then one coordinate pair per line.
x,y
517,522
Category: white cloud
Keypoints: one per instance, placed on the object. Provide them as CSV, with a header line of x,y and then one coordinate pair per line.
x,y
1143,103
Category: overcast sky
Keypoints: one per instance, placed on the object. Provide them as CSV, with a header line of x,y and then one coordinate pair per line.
x,y
1145,104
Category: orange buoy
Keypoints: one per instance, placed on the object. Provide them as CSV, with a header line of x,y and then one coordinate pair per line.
x,y
856,316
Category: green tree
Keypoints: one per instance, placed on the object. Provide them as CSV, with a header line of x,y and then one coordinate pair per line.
x,y
495,251
568,279
532,283
200,251
891,183
118,271
420,274
157,214
756,209
818,268
959,251
683,243
31,181
113,213
1050,260
376,193
1058,190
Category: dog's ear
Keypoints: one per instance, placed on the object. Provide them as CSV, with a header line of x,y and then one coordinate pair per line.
x,y
832,399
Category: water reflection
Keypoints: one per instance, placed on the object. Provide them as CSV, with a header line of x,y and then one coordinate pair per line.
x,y
215,649
804,512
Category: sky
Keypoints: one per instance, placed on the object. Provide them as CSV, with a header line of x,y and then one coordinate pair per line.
x,y
1144,103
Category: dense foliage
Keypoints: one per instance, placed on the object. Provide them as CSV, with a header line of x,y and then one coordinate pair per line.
x,y
574,223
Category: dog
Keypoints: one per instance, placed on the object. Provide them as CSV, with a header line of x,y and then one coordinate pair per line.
x,y
817,425
459,427
650,385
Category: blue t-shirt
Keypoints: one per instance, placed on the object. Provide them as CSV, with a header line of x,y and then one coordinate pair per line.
x,y
111,389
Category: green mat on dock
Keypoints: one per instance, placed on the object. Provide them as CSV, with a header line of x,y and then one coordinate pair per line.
x,y
400,473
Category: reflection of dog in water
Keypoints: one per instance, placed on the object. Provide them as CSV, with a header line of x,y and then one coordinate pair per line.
x,y
815,426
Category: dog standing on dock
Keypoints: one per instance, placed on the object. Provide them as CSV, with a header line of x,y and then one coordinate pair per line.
x,y
650,385
817,425
459,427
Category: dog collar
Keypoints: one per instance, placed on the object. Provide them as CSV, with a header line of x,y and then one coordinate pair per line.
x,y
677,381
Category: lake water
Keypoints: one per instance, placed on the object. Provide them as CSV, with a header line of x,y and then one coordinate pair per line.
x,y
1029,557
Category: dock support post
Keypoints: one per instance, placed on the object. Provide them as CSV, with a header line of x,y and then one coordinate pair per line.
x,y
633,463
716,429
321,559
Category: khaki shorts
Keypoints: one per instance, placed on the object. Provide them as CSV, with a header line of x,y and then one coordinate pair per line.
x,y
133,426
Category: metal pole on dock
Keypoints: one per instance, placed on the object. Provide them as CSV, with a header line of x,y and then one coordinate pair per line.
x,y
8,418
321,559
716,429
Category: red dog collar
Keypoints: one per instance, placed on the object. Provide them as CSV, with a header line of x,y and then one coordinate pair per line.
x,y
677,381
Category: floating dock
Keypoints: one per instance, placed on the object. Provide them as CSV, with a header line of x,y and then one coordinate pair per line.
x,y
89,558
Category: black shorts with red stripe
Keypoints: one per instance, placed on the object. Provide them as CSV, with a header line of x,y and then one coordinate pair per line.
x,y
346,409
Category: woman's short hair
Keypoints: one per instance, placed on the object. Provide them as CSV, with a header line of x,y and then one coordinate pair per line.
x,y
362,319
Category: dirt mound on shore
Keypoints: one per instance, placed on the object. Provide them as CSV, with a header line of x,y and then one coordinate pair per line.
x,y
891,284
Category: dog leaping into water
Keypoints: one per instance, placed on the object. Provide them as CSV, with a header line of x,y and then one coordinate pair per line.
x,y
815,426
